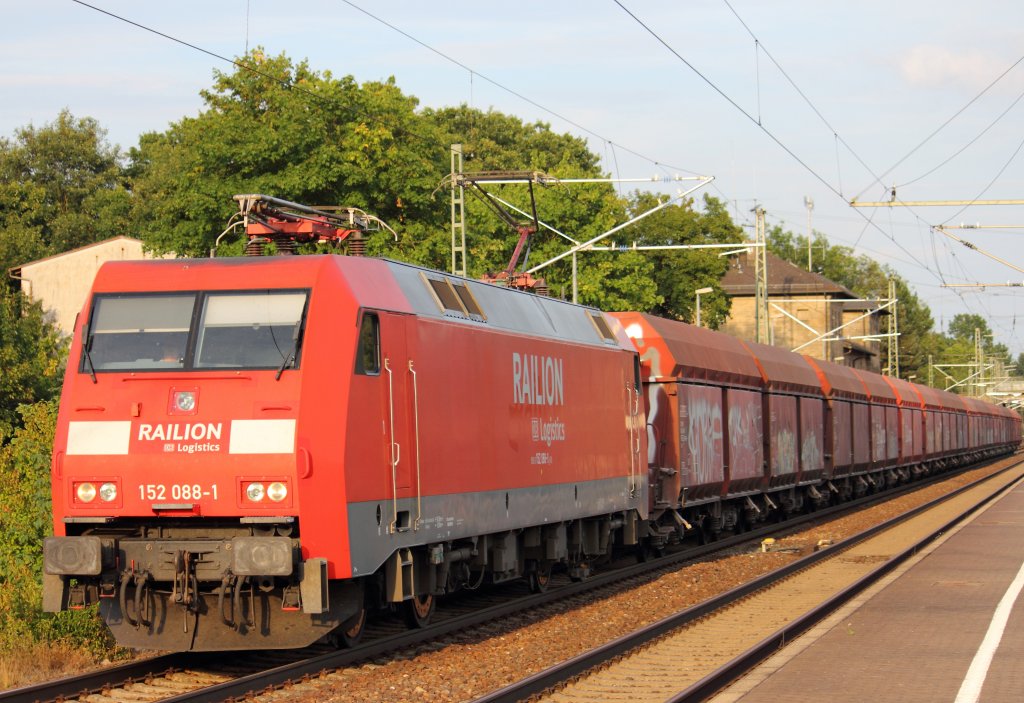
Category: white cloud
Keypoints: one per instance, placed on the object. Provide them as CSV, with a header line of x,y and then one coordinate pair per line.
x,y
930,66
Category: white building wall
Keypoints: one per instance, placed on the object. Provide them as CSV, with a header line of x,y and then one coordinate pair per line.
x,y
61,283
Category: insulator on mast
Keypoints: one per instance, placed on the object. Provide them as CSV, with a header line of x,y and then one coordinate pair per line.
x,y
256,246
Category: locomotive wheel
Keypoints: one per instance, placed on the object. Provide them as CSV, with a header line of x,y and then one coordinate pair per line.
x,y
419,610
539,578
351,631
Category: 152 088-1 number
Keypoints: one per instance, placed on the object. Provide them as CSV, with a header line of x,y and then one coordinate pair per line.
x,y
176,491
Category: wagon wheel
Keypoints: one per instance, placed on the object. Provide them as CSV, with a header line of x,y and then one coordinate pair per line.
x,y
645,551
419,610
351,631
539,578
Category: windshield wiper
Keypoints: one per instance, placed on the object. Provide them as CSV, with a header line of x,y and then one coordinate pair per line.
x,y
287,360
88,357
292,353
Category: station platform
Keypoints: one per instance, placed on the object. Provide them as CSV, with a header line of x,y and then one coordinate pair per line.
x,y
947,625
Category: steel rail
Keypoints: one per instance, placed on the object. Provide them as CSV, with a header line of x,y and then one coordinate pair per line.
x,y
81,685
561,673
723,676
113,677
294,672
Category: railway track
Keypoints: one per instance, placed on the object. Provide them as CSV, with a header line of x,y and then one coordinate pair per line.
x,y
211,677
694,654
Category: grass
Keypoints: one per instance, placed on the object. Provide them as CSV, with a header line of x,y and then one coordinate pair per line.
x,y
44,662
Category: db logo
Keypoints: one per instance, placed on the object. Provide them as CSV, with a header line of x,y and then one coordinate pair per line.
x,y
169,447
535,427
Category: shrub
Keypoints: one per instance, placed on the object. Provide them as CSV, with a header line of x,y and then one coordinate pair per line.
x,y
24,523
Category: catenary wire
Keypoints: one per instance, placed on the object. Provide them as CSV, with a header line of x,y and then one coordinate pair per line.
x,y
247,67
767,132
990,183
320,99
801,93
508,90
838,139
964,147
942,126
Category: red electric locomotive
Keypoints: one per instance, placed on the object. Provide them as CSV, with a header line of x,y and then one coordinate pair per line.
x,y
252,451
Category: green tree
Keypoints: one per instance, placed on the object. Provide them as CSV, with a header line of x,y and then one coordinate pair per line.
x,y
1017,367
25,485
61,186
305,136
679,273
492,141
32,354
293,133
963,326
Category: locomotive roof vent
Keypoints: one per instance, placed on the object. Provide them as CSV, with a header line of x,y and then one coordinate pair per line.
x,y
453,297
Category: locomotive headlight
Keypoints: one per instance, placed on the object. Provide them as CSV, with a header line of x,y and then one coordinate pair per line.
x,y
185,401
255,492
108,492
86,492
277,491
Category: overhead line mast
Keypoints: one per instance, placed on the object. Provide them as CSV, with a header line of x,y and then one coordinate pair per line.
x,y
458,181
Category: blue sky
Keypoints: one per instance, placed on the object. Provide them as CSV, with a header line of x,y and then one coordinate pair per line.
x,y
882,75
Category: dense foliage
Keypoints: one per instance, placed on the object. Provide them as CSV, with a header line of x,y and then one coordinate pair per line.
x,y
61,186
31,355
26,520
308,137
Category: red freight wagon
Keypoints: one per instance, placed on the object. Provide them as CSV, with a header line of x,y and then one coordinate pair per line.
x,y
1009,434
993,419
952,408
975,415
312,433
704,410
884,433
911,423
983,419
933,424
848,430
795,427
963,408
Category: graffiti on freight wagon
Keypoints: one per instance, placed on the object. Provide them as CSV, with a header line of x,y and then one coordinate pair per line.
x,y
744,434
701,416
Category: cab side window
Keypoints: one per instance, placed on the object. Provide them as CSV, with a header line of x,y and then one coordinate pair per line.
x,y
368,353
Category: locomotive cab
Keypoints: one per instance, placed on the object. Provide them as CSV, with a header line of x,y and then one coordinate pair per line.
x,y
177,463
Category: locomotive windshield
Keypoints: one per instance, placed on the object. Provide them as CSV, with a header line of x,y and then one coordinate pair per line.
x,y
249,330
229,330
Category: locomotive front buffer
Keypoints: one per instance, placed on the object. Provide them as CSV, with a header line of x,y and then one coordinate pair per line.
x,y
207,593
